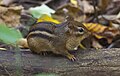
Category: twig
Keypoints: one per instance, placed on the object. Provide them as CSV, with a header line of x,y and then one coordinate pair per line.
x,y
113,44
95,11
46,2
7,72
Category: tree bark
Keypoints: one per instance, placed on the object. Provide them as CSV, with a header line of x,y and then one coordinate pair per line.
x,y
90,62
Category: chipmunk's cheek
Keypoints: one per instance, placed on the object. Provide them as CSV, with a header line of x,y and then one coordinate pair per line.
x,y
72,48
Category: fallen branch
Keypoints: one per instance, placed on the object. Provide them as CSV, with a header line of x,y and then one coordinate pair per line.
x,y
90,62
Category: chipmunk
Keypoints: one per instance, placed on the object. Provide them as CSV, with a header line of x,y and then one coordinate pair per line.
x,y
58,38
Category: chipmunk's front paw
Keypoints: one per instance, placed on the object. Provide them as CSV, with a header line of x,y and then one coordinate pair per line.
x,y
71,57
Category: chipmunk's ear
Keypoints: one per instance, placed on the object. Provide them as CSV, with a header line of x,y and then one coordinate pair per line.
x,y
68,29
70,21
69,24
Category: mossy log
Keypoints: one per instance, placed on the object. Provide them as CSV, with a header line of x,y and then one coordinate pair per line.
x,y
90,62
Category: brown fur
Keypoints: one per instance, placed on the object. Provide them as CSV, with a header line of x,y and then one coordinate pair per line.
x,y
59,39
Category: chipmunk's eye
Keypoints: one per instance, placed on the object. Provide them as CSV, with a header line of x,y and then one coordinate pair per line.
x,y
81,30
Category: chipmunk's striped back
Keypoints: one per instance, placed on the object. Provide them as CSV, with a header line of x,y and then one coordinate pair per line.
x,y
42,30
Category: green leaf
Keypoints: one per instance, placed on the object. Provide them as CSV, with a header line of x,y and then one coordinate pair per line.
x,y
38,11
8,35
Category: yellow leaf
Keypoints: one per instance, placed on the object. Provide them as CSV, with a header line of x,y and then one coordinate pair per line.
x,y
74,2
94,27
47,18
100,31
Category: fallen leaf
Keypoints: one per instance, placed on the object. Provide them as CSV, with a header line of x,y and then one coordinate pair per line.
x,y
6,2
103,4
100,31
74,2
9,35
47,18
38,11
109,17
94,27
118,16
96,44
69,9
10,15
87,8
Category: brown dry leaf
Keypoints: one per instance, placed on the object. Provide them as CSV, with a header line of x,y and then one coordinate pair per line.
x,y
95,28
110,33
96,44
118,16
100,31
103,4
114,20
10,15
109,17
69,9
74,2
6,2
87,8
